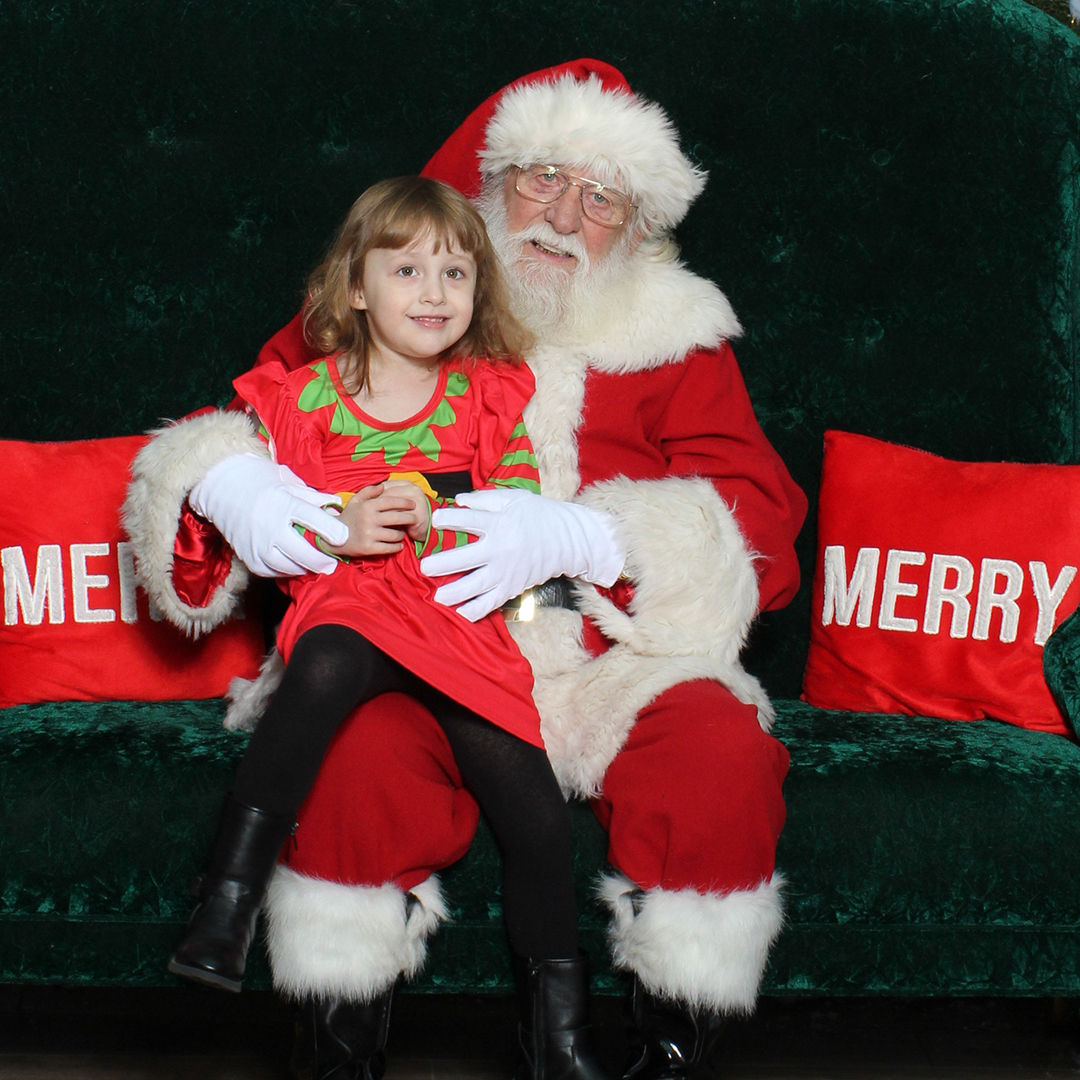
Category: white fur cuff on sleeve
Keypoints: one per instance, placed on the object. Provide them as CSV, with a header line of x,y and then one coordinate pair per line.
x,y
163,474
695,589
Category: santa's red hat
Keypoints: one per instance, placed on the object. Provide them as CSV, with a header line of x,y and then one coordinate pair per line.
x,y
581,114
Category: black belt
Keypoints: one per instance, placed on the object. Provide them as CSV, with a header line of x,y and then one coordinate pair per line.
x,y
556,592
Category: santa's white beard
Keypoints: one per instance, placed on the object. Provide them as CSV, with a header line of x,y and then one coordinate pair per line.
x,y
559,305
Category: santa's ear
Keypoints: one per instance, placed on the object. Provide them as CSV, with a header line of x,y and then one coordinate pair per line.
x,y
639,231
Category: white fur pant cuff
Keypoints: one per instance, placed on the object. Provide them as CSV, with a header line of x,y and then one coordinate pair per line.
x,y
351,942
704,950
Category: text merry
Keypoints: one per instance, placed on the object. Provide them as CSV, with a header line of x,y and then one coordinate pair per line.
x,y
44,593
955,594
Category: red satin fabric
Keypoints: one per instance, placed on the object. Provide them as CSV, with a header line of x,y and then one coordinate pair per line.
x,y
201,559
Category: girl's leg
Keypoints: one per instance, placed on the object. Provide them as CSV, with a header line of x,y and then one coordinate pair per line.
x,y
388,810
332,669
516,789
514,784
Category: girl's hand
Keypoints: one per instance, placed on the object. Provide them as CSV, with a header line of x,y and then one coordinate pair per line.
x,y
406,489
379,519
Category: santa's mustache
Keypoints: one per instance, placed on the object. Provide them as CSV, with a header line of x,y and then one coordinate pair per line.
x,y
543,234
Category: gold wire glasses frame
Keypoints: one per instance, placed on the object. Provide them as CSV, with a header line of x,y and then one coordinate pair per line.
x,y
600,203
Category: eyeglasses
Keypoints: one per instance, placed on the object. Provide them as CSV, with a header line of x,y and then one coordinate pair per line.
x,y
546,184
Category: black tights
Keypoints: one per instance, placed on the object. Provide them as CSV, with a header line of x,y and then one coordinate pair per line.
x,y
332,670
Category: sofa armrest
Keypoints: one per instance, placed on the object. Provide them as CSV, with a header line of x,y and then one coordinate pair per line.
x,y
1061,667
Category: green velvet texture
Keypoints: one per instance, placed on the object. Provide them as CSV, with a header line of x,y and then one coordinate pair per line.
x,y
927,855
892,203
1061,666
893,209
922,856
108,810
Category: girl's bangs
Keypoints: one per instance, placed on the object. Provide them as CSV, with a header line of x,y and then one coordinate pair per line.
x,y
450,229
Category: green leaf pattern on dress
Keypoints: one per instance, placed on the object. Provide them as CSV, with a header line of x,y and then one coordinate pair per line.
x,y
395,443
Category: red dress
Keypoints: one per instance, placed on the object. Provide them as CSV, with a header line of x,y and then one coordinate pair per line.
x,y
471,425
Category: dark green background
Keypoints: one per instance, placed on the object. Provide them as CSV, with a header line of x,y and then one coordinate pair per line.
x,y
893,211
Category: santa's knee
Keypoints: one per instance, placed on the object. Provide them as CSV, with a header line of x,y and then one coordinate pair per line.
x,y
350,911
388,805
694,799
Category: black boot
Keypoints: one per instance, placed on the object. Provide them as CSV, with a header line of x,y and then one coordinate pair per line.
x,y
675,1040
555,1034
220,931
342,1040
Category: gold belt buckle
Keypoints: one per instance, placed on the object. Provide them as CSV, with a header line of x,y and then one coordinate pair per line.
x,y
522,608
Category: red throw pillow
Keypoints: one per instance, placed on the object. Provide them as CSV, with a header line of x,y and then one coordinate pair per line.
x,y
75,628
938,582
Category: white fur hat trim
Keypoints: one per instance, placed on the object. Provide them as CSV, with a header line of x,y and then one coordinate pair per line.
x,y
616,137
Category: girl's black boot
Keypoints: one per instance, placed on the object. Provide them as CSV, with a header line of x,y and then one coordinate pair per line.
x,y
555,1033
219,934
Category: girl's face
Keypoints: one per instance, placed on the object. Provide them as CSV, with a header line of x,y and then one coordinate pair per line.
x,y
419,301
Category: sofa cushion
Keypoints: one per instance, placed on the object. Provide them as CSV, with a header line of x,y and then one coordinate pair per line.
x,y
926,857
75,627
937,583
107,819
921,856
109,809
1061,666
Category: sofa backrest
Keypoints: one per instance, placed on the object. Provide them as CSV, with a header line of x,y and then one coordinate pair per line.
x,y
892,208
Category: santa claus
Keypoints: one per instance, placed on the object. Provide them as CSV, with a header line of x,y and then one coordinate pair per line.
x,y
666,524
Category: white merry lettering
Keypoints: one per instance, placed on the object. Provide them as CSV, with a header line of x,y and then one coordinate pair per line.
x,y
976,599
30,598
894,588
990,600
125,559
82,581
938,593
1049,597
47,589
843,599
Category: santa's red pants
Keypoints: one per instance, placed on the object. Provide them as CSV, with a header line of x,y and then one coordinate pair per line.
x,y
693,800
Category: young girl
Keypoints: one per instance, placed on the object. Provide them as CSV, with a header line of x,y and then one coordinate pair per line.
x,y
419,396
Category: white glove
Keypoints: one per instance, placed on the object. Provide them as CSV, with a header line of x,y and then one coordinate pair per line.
x,y
524,539
1074,8
254,503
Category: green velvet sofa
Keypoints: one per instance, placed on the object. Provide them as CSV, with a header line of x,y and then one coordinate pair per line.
x,y
894,211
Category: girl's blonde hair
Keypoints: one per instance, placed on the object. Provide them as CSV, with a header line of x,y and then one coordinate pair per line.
x,y
392,214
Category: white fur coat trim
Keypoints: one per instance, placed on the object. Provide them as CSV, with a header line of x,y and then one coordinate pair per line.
x,y
587,712
163,474
347,941
553,415
618,138
695,588
665,311
662,312
704,950
688,620
248,698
